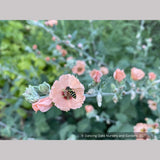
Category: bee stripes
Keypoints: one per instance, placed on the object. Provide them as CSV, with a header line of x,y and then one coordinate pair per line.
x,y
71,92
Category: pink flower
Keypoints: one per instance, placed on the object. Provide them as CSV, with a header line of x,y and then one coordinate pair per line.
x,y
144,46
152,76
104,70
119,75
140,131
42,105
152,105
53,38
51,23
80,45
89,108
34,47
67,42
69,36
96,75
61,96
150,39
79,68
69,58
47,59
58,47
64,52
137,74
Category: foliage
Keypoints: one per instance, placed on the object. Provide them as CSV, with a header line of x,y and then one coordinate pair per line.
x,y
113,44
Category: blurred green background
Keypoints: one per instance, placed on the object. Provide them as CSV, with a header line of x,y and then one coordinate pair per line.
x,y
116,45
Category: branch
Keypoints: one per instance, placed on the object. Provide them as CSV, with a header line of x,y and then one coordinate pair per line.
x,y
94,95
157,81
64,42
15,130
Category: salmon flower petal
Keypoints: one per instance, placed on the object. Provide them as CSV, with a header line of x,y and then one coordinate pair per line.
x,y
152,76
34,47
63,52
42,105
69,58
58,47
51,23
62,97
79,68
119,75
89,108
96,75
104,70
140,131
47,59
137,74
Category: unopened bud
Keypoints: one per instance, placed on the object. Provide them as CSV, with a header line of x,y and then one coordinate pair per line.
x,y
115,99
44,88
138,90
97,118
108,121
138,35
121,88
90,62
133,95
156,131
113,87
115,90
91,91
133,85
69,36
142,96
146,119
31,95
80,45
81,54
123,93
99,99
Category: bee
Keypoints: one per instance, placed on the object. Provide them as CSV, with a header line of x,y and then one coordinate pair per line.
x,y
71,92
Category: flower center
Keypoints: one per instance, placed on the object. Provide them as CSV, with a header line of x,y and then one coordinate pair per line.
x,y
143,130
66,94
79,69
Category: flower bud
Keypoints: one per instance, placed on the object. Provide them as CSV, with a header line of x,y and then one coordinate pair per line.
x,y
119,75
115,99
89,108
121,88
91,91
44,88
108,121
123,93
97,118
31,95
90,61
80,45
152,76
133,85
156,131
69,36
99,99
142,95
113,86
133,95
81,54
137,74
